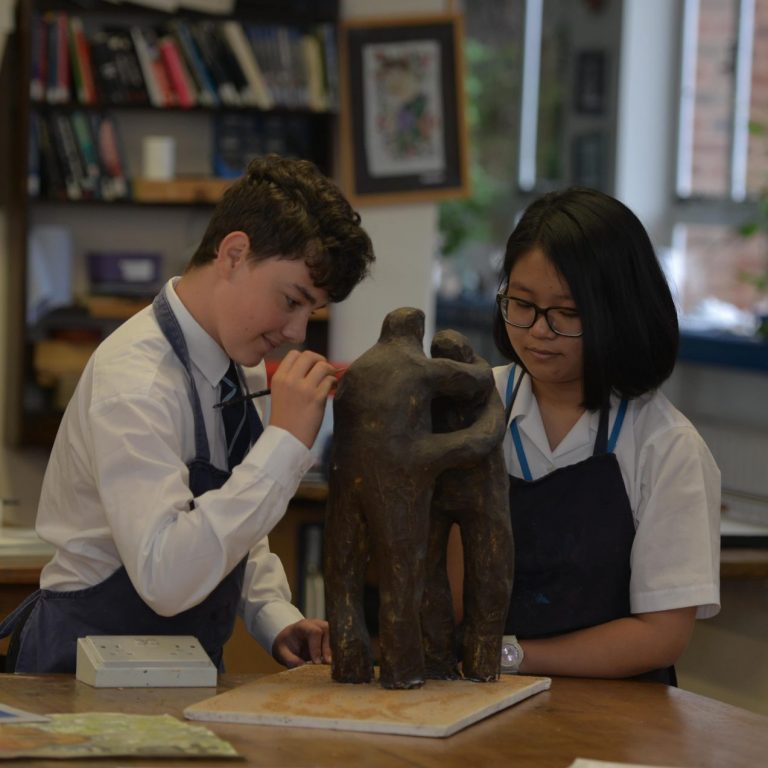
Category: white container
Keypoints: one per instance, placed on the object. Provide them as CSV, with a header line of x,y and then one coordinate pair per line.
x,y
158,158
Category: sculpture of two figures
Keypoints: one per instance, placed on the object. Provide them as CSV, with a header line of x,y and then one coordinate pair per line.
x,y
417,447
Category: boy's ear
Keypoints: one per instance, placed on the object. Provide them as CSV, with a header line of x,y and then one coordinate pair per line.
x,y
233,250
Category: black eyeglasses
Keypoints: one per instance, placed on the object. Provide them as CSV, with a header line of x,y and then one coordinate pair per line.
x,y
563,321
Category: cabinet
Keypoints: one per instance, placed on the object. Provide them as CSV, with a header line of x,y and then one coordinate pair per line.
x,y
46,350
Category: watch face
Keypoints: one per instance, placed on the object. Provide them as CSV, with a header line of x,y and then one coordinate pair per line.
x,y
510,655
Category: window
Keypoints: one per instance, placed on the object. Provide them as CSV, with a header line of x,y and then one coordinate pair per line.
x,y
722,163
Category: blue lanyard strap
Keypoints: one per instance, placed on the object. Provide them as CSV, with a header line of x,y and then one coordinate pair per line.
x,y
620,413
518,441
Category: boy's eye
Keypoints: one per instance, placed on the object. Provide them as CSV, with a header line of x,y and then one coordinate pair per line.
x,y
291,302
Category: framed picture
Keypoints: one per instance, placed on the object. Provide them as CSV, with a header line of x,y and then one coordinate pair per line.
x,y
403,134
590,85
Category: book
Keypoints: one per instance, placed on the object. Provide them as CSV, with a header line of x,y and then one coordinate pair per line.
x,y
64,147
88,152
203,34
38,60
117,69
312,50
327,34
107,80
207,92
63,71
237,137
155,79
228,60
51,58
111,157
176,70
82,67
52,184
33,156
290,66
256,92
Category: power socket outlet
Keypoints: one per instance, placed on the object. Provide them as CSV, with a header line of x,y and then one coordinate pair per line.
x,y
144,661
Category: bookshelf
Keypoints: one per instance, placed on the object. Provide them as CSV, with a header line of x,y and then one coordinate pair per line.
x,y
75,109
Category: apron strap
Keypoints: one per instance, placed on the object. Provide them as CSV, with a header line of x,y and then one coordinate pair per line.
x,y
171,329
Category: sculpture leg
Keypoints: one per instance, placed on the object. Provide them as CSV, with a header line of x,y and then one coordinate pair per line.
x,y
400,540
346,558
437,622
486,600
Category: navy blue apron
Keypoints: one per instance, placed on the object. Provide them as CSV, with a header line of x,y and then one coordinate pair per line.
x,y
574,532
48,623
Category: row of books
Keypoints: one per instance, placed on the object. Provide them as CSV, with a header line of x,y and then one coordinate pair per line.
x,y
184,63
78,154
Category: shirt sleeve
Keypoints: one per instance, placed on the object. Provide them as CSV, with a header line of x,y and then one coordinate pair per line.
x,y
676,552
177,551
266,605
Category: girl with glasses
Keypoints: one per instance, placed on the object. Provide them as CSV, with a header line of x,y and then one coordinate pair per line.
x,y
614,497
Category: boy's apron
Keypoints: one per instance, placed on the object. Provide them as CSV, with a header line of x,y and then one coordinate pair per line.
x,y
48,623
573,541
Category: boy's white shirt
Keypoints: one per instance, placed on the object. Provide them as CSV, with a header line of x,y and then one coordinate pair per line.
x,y
672,482
116,488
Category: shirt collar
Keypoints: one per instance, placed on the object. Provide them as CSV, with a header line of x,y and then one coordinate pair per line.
x,y
209,358
526,411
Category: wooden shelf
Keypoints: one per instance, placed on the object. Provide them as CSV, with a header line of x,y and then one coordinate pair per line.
x,y
42,371
180,190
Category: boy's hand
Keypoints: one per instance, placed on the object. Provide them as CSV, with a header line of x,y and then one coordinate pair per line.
x,y
300,387
306,640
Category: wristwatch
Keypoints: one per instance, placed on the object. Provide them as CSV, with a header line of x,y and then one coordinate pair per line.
x,y
512,655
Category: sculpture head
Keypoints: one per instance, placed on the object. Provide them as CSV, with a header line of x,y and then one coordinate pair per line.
x,y
453,346
405,323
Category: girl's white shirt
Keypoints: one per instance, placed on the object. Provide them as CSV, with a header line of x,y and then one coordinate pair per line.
x,y
672,483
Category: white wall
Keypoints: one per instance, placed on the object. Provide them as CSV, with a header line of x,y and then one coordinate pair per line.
x,y
404,237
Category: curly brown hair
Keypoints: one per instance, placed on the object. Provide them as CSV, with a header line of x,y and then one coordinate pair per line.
x,y
290,210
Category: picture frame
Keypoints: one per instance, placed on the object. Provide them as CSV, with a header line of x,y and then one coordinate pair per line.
x,y
403,130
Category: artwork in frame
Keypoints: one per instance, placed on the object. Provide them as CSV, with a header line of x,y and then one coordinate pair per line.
x,y
402,113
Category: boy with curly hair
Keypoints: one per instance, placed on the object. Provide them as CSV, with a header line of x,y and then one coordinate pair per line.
x,y
158,509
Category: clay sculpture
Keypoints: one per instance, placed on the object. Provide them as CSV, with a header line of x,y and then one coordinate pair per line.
x,y
384,463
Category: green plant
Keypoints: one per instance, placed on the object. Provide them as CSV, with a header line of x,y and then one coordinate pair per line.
x,y
491,84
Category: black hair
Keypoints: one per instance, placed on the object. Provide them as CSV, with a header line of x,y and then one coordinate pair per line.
x,y
290,210
605,256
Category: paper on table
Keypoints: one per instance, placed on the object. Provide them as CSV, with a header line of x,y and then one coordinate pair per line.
x,y
10,714
110,734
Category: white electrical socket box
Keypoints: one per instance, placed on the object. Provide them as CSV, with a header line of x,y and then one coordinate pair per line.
x,y
144,661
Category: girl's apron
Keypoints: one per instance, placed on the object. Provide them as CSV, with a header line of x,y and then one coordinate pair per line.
x,y
48,623
573,541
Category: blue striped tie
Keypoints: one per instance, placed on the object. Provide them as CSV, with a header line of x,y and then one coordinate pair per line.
x,y
236,423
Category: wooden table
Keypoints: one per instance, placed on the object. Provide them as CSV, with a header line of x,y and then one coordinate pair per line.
x,y
608,720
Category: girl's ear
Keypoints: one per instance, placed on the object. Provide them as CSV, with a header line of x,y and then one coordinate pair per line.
x,y
233,250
